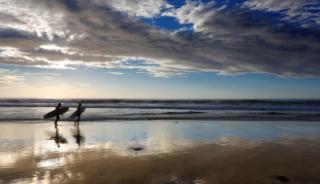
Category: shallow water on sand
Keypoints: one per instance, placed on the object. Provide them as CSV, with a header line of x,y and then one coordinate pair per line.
x,y
37,152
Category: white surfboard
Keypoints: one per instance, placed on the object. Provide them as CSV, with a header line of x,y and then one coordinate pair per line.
x,y
75,114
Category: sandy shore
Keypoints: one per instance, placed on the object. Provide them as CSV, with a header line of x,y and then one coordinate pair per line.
x,y
210,163
164,152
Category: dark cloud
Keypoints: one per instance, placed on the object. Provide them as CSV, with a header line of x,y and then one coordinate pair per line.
x,y
7,33
224,40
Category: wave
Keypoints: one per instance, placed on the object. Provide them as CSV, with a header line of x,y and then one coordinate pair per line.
x,y
188,115
123,109
267,105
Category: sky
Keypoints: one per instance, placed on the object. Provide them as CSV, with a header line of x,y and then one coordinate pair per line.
x,y
160,49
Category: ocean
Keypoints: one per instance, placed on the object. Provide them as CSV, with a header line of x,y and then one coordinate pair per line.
x,y
165,141
124,109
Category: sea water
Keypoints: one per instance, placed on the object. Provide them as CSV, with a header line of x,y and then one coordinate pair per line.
x,y
122,109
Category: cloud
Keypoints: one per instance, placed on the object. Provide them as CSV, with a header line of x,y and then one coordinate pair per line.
x,y
232,42
142,8
115,73
40,17
56,48
41,74
98,34
16,77
8,77
299,11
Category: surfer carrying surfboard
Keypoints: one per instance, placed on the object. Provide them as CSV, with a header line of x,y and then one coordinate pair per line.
x,y
76,115
59,110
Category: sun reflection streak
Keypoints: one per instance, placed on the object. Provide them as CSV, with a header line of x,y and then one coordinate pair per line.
x,y
51,163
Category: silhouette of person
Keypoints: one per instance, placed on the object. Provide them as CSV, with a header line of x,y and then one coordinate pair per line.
x,y
57,116
78,114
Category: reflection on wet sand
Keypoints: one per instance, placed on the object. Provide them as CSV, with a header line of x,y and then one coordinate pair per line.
x,y
208,163
58,138
77,135
161,152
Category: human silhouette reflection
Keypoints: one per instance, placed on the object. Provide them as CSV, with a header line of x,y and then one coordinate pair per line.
x,y
58,138
79,138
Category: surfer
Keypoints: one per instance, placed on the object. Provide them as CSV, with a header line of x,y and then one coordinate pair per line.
x,y
78,114
57,115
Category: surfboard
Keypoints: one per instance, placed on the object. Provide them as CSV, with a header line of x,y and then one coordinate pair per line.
x,y
56,112
74,114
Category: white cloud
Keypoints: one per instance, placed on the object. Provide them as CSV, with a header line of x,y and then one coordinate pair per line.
x,y
226,41
31,16
275,5
14,53
142,8
196,14
187,14
10,52
115,73
15,77
41,74
9,77
56,48
293,10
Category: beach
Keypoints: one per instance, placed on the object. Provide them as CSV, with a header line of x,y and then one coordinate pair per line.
x,y
162,151
159,91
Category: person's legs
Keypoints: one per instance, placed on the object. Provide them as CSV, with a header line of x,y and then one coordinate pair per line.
x,y
56,121
76,122
79,120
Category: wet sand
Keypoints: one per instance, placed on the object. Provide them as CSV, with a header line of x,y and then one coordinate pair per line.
x,y
293,157
210,163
